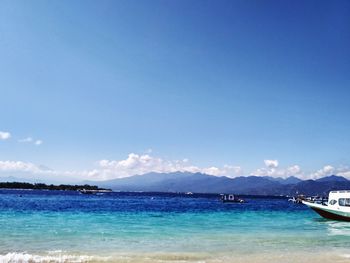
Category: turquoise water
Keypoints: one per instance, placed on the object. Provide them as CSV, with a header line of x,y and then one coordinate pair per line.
x,y
42,226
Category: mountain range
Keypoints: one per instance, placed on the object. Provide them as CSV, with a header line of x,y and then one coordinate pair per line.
x,y
203,183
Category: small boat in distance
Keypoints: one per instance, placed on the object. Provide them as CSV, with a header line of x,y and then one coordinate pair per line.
x,y
230,198
94,191
337,208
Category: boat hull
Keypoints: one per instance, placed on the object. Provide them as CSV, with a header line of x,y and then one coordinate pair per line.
x,y
328,213
233,201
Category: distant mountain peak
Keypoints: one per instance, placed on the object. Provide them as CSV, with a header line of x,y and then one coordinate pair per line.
x,y
332,178
284,181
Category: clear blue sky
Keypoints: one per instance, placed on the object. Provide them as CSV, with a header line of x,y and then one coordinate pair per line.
x,y
218,82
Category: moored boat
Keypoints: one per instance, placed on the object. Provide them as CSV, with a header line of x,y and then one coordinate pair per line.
x,y
230,198
337,208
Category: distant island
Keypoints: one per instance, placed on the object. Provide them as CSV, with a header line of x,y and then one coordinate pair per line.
x,y
41,186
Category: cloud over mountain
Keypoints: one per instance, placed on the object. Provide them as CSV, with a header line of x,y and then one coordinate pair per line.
x,y
141,164
138,164
272,169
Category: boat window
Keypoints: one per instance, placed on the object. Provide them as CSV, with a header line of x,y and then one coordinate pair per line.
x,y
333,202
344,201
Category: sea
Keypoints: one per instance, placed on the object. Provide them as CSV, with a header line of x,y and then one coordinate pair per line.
x,y
65,226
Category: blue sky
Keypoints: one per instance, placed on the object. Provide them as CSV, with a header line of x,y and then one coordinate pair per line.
x,y
216,82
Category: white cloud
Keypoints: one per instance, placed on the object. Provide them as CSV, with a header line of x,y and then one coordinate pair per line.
x,y
271,163
330,170
232,171
18,166
295,170
28,139
344,171
5,135
38,142
141,164
145,163
109,169
39,172
272,169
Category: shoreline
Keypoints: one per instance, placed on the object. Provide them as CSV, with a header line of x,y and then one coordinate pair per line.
x,y
43,186
332,256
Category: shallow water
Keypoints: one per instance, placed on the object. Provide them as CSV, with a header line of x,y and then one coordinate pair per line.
x,y
55,226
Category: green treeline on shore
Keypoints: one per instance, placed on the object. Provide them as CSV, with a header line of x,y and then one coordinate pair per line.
x,y
41,186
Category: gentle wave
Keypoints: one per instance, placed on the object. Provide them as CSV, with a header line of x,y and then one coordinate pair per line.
x,y
59,257
51,257
267,257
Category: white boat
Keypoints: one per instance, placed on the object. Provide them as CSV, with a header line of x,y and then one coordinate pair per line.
x,y
337,207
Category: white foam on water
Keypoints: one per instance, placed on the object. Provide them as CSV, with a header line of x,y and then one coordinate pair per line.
x,y
266,257
57,257
51,257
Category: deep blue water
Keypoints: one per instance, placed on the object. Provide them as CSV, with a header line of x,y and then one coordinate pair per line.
x,y
66,201
139,224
